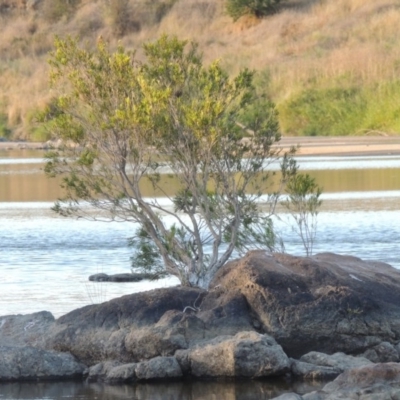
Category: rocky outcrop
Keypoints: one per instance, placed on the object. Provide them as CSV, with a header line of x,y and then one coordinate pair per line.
x,y
327,303
257,309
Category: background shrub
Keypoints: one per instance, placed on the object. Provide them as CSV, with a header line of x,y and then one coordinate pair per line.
x,y
54,10
258,8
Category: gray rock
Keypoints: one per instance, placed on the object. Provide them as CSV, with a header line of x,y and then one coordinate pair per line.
x,y
158,368
339,361
25,330
309,371
28,363
122,373
247,354
100,371
382,353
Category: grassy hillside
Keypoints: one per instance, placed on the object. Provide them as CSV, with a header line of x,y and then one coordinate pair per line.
x,y
331,66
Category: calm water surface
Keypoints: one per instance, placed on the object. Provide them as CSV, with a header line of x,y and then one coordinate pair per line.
x,y
45,260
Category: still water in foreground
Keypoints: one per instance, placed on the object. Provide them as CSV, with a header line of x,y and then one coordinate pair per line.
x,y
45,260
203,390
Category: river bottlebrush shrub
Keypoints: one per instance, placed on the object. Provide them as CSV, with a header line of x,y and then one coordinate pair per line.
x,y
166,119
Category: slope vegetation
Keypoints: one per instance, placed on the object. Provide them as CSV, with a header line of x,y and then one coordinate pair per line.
x,y
331,66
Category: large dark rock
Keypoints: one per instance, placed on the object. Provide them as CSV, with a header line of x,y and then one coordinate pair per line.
x,y
328,303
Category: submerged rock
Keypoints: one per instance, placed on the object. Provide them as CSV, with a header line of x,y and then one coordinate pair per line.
x,y
133,277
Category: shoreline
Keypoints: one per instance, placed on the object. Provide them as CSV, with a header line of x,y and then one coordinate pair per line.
x,y
308,146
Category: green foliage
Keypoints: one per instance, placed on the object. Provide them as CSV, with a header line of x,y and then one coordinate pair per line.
x,y
122,120
344,109
303,203
382,111
258,8
323,112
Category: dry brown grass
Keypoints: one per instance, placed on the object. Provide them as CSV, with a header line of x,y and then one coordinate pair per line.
x,y
307,41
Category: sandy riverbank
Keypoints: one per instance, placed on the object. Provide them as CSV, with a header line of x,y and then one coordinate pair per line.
x,y
316,146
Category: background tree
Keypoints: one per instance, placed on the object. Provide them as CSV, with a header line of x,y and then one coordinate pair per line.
x,y
258,8
303,204
171,117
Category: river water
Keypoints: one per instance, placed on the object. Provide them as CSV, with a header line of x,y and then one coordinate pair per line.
x,y
45,260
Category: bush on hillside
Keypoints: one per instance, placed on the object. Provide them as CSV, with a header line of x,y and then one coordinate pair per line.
x,y
54,10
258,8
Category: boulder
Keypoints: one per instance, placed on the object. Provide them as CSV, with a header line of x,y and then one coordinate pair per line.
x,y
247,354
340,361
158,368
307,371
99,372
382,353
29,363
327,302
124,373
25,330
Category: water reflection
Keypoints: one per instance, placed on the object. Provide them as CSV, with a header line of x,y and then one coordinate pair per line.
x,y
203,390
